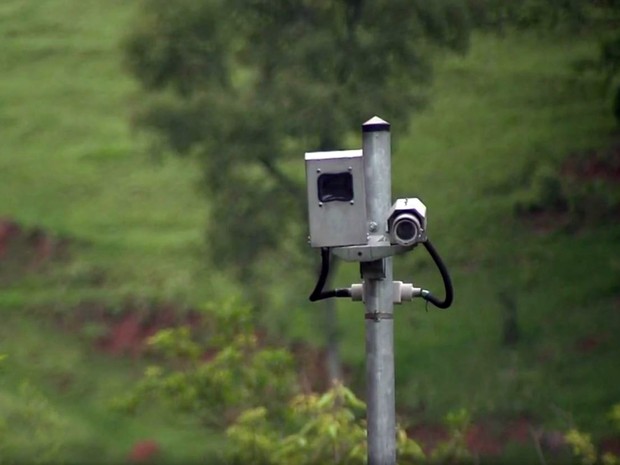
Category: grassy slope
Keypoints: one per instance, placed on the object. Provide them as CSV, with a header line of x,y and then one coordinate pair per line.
x,y
56,403
69,163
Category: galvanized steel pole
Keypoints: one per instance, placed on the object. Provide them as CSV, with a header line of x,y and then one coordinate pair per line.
x,y
378,295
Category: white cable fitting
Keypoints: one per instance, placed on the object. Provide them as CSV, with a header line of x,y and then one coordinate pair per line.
x,y
403,292
357,292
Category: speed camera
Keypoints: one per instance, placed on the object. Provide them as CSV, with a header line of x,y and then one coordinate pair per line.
x,y
336,198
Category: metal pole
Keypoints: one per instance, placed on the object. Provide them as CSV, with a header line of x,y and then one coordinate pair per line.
x,y
378,295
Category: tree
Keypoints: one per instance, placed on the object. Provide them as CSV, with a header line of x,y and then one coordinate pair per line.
x,y
497,15
247,86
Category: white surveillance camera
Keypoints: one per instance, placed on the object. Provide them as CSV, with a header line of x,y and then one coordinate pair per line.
x,y
407,222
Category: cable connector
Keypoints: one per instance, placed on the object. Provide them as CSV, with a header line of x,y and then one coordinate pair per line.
x,y
403,292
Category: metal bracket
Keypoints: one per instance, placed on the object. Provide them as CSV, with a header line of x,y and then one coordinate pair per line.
x,y
373,270
378,247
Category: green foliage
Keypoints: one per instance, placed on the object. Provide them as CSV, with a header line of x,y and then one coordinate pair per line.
x,y
32,430
614,416
55,392
326,428
330,433
454,449
252,390
329,428
584,189
608,61
529,14
616,104
594,201
584,448
610,55
219,376
610,64
545,193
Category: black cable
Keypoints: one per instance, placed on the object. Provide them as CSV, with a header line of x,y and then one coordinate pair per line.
x,y
447,281
318,293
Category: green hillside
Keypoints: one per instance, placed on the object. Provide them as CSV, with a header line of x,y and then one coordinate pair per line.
x,y
125,232
70,166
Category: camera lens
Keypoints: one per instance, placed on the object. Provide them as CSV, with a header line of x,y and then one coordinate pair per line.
x,y
406,230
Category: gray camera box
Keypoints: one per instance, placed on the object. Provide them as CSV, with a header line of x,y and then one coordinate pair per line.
x,y
336,198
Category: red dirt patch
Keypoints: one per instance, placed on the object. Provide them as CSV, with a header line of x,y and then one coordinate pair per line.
x,y
545,222
126,336
429,436
128,333
144,451
594,165
28,249
590,343
518,430
8,231
610,444
484,438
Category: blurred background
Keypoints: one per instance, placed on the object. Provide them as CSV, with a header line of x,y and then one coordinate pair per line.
x,y
152,177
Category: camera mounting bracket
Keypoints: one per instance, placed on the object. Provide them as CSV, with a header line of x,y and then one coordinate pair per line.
x,y
378,247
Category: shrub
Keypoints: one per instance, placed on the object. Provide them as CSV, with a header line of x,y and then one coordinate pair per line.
x,y
584,449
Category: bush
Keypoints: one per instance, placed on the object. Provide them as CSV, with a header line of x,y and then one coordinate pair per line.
x,y
33,431
584,449
216,378
317,429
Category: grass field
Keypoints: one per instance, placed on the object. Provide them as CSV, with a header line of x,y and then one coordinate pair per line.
x,y
70,164
69,161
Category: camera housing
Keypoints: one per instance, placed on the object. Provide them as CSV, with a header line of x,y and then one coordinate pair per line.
x,y
336,198
407,222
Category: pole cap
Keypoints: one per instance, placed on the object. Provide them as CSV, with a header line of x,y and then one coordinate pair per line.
x,y
375,124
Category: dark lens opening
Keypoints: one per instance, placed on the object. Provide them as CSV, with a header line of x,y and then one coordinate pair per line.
x,y
335,187
406,230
